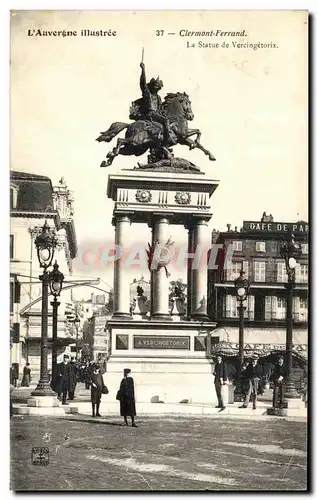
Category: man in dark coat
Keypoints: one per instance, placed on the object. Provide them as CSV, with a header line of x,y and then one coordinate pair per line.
x,y
220,377
253,373
72,379
278,377
97,389
126,396
62,378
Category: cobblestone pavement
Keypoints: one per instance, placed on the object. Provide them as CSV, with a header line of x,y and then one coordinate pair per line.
x,y
163,453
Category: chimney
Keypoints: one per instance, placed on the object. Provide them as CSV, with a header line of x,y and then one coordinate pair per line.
x,y
228,227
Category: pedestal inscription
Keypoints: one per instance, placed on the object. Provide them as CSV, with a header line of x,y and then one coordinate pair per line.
x,y
163,342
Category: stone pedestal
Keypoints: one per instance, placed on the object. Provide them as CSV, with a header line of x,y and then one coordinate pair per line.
x,y
41,405
168,361
167,358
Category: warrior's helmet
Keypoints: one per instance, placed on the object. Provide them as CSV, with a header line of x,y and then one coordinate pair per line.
x,y
156,83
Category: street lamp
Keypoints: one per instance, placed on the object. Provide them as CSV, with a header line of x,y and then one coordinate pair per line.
x,y
242,286
56,281
289,251
45,244
77,322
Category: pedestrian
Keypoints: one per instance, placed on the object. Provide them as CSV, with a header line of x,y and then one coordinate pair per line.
x,y
220,377
98,388
14,375
126,396
244,381
62,378
253,374
278,378
88,373
26,377
72,379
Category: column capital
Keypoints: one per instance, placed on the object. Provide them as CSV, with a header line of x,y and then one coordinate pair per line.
x,y
197,220
123,217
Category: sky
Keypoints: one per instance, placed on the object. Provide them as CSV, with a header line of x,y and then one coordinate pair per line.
x,y
250,106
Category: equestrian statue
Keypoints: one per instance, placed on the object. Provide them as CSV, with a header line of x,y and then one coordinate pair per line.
x,y
157,127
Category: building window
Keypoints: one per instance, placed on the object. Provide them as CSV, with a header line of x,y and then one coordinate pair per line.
x,y
234,268
232,304
304,248
260,246
281,308
301,273
11,296
13,197
237,246
260,271
231,307
282,276
303,309
11,246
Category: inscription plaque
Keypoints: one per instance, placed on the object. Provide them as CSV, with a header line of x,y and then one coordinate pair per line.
x,y
156,342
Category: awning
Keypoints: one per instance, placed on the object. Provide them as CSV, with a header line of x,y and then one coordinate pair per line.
x,y
261,341
260,335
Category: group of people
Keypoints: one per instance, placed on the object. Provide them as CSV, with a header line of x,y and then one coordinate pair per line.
x,y
69,372
26,376
125,394
65,378
252,374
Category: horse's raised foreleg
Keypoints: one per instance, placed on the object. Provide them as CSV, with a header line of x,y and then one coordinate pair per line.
x,y
196,144
194,131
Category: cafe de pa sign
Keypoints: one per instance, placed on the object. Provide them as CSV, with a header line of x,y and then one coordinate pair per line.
x,y
275,227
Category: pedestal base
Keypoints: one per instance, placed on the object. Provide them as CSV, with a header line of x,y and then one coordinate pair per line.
x,y
39,411
292,408
167,359
44,401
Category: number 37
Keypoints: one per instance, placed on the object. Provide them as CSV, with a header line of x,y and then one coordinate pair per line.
x,y
159,32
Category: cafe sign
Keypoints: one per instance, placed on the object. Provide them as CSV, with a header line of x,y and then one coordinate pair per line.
x,y
161,342
276,227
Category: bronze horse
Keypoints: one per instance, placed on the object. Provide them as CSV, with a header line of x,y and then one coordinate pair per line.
x,y
143,134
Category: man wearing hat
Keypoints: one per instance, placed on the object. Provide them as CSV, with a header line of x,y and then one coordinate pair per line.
x,y
62,378
126,396
278,377
254,372
220,378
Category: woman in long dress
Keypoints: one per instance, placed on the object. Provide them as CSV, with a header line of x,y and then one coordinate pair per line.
x,y
126,396
26,378
97,388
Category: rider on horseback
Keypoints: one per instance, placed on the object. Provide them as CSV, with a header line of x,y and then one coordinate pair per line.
x,y
150,104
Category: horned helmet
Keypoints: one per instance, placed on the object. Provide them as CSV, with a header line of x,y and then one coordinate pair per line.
x,y
156,83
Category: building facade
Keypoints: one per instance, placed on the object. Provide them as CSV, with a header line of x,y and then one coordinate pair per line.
x,y
33,200
256,247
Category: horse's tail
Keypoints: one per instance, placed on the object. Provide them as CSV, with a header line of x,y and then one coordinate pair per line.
x,y
113,130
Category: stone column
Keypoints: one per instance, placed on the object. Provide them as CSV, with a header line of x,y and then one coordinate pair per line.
x,y
189,227
121,283
199,273
159,280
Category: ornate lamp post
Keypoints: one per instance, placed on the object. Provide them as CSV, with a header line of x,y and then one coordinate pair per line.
x,y
56,281
45,244
242,286
290,251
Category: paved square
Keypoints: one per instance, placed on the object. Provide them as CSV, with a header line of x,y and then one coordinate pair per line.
x,y
163,453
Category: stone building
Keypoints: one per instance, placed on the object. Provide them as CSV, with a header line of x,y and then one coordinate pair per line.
x,y
33,200
257,245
